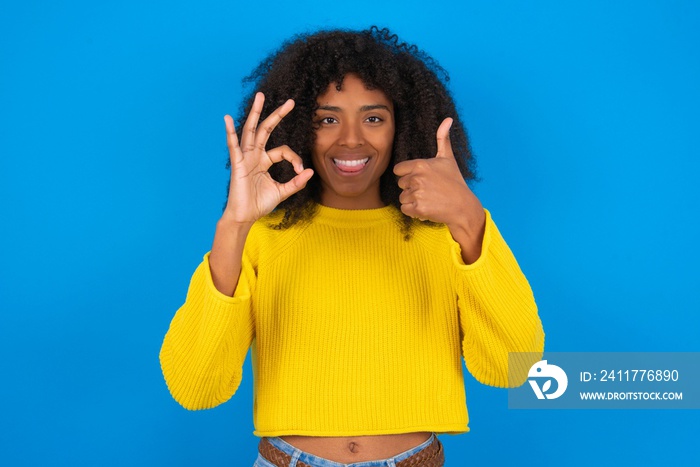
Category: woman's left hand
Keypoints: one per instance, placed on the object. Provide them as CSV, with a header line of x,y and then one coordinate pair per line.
x,y
434,190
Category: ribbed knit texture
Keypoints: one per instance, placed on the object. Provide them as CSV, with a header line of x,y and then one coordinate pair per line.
x,y
354,330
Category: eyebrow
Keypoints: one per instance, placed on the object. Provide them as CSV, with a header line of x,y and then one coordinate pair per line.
x,y
364,108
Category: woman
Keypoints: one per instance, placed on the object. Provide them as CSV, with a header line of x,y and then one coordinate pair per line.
x,y
354,260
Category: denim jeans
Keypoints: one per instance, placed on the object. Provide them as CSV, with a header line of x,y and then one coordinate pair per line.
x,y
315,461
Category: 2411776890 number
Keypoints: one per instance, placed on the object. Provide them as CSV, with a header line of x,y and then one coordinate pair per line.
x,y
638,375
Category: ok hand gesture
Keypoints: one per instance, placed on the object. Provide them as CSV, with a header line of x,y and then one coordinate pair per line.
x,y
434,189
253,193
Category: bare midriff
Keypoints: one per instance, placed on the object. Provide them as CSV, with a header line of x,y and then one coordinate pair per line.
x,y
349,449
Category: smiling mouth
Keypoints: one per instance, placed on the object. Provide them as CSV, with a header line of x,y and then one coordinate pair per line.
x,y
350,166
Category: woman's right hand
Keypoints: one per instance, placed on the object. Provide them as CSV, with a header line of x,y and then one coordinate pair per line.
x,y
253,193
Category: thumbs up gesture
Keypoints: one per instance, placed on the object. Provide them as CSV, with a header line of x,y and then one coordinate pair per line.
x,y
434,190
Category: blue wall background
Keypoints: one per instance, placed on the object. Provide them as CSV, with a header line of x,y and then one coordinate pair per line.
x,y
583,115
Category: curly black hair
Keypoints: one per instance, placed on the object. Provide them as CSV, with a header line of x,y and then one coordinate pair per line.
x,y
303,68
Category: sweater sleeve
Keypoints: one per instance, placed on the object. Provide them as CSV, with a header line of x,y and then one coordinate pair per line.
x,y
204,349
497,313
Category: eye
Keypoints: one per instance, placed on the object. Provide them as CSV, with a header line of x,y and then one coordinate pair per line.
x,y
327,121
374,119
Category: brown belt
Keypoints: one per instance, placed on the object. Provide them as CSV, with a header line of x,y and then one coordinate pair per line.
x,y
432,456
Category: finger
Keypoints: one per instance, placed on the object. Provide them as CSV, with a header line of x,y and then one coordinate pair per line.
x,y
412,195
412,210
297,183
444,146
251,123
284,153
404,182
234,150
269,124
405,167
406,197
409,209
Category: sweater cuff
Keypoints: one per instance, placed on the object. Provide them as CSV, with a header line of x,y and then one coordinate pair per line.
x,y
457,260
243,289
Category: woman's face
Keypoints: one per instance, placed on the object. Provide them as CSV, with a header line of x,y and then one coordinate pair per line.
x,y
354,137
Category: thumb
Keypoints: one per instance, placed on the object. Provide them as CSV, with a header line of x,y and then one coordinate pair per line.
x,y
297,183
444,146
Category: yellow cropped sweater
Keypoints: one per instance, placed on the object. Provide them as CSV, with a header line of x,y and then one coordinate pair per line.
x,y
353,330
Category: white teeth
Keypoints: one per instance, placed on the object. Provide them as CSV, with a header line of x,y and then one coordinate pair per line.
x,y
351,163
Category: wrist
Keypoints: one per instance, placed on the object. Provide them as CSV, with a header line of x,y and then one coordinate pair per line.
x,y
226,253
468,231
229,222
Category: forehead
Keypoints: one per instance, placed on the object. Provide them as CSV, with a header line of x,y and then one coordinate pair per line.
x,y
352,93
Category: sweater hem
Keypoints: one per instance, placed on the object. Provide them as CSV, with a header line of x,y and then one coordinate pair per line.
x,y
456,428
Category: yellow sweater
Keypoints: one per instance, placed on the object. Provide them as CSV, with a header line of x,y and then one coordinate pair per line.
x,y
354,330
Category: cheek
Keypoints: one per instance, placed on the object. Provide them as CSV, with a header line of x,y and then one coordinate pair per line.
x,y
388,140
321,144
386,144
317,159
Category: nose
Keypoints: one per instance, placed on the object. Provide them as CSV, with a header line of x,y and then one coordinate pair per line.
x,y
351,136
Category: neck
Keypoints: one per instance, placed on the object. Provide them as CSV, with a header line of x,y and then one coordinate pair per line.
x,y
363,201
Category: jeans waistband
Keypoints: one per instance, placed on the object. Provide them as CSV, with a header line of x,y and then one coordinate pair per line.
x,y
297,456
